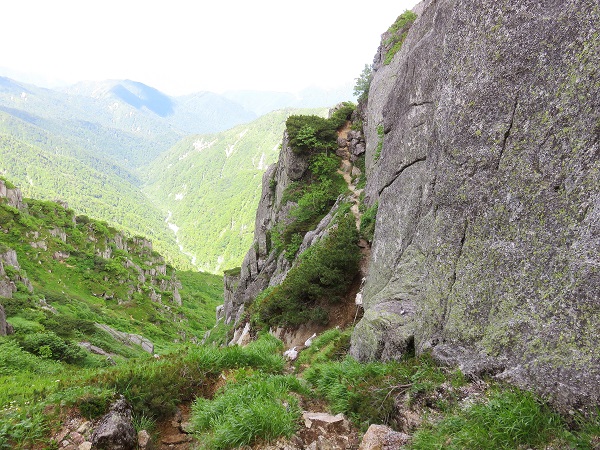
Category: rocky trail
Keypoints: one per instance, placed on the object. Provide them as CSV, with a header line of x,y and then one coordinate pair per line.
x,y
349,171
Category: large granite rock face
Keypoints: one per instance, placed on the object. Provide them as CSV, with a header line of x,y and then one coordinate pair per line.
x,y
487,242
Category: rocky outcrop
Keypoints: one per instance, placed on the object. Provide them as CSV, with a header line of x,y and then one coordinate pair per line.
x,y
128,338
262,266
115,431
486,247
12,195
8,284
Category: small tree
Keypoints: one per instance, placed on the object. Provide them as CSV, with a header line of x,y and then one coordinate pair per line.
x,y
363,83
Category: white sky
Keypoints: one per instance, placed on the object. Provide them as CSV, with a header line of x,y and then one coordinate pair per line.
x,y
184,46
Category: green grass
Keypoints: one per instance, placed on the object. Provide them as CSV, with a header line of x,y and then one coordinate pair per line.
x,y
366,393
249,407
398,31
507,419
331,345
154,387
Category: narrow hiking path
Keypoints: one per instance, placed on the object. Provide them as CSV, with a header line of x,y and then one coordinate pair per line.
x,y
346,170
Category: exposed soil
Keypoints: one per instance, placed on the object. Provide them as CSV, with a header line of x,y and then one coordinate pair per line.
x,y
171,434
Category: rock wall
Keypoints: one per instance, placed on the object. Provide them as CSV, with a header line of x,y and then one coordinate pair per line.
x,y
487,241
261,266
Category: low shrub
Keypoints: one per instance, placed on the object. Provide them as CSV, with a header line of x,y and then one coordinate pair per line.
x,y
367,222
308,133
398,32
48,345
323,274
13,359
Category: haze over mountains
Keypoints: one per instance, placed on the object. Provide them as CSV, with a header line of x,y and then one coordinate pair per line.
x,y
100,145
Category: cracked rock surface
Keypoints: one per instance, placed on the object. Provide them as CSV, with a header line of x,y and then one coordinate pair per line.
x,y
487,240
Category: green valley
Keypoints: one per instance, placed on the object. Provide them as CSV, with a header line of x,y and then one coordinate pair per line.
x,y
208,186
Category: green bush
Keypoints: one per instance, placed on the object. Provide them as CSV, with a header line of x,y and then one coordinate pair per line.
x,y
13,359
24,326
367,222
308,133
363,84
49,345
398,31
323,274
315,196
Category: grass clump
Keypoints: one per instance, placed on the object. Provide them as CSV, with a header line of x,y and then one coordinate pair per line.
x,y
367,222
331,345
508,419
367,393
248,408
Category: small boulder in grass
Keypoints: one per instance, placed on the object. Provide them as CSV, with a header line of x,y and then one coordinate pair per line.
x,y
116,431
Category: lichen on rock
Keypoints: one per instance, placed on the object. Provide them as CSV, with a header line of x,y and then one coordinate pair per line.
x,y
489,194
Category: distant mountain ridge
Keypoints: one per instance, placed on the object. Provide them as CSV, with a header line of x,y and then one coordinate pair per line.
x,y
102,145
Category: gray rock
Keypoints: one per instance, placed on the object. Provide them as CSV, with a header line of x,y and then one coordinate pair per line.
x,y
9,257
261,266
13,196
5,327
489,199
115,430
144,440
381,437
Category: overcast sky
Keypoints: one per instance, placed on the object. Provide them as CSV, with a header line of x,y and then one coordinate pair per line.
x,y
184,46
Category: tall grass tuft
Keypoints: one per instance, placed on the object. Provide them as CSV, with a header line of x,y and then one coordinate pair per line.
x,y
509,419
252,407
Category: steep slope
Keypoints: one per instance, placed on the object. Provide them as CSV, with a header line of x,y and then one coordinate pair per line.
x,y
77,278
482,153
208,187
